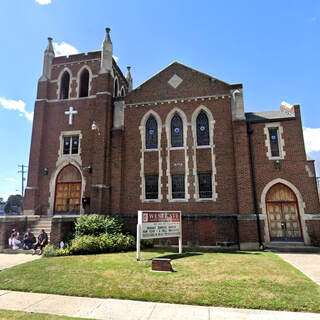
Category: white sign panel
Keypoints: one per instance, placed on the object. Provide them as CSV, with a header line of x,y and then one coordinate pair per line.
x,y
159,224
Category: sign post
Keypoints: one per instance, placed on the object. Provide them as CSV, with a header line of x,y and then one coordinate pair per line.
x,y
159,224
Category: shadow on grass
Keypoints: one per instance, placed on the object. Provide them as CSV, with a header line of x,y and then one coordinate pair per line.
x,y
171,253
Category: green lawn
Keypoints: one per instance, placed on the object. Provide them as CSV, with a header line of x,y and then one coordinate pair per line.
x,y
258,280
19,315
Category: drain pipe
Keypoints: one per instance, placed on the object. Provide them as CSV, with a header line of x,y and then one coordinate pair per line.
x,y
250,132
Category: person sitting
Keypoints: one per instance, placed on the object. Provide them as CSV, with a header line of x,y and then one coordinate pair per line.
x,y
28,240
41,242
14,242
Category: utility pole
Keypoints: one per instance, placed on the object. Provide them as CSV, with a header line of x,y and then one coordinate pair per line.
x,y
22,171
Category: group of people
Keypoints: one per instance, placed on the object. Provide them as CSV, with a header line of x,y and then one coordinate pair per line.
x,y
28,241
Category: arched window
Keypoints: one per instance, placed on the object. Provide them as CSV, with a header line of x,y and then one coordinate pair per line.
x,y
116,87
176,131
64,86
84,83
122,92
202,129
151,133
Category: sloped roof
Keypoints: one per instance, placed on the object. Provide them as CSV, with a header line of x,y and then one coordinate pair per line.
x,y
272,115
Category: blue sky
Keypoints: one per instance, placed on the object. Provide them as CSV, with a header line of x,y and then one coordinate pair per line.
x,y
272,47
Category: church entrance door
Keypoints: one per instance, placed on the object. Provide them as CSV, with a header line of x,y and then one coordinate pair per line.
x,y
68,191
283,214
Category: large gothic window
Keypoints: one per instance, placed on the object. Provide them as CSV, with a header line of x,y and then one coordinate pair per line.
x,y
176,131
84,83
202,129
64,86
151,133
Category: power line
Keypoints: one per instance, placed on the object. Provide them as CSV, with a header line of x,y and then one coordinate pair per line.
x,y
22,171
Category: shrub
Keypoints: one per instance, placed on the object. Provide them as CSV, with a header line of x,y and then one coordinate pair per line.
x,y
104,243
49,251
315,240
94,225
146,243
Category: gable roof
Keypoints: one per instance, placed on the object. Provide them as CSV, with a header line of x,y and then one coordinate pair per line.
x,y
177,81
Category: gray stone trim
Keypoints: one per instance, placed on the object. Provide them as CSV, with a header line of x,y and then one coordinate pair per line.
x,y
242,217
176,100
74,62
31,188
104,92
59,100
101,186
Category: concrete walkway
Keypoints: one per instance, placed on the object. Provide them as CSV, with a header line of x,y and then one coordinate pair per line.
x,y
11,260
308,263
134,310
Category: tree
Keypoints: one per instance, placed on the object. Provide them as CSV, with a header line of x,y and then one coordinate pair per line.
x,y
14,203
2,201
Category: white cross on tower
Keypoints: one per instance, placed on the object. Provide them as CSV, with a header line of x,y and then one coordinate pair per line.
x,y
70,113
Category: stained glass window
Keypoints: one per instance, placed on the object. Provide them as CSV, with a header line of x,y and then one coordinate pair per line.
x,y
274,143
176,131
203,129
178,188
151,133
205,185
151,184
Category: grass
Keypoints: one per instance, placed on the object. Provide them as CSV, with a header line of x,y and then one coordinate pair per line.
x,y
258,280
19,315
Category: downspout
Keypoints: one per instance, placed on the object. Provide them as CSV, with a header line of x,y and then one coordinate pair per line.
x,y
250,132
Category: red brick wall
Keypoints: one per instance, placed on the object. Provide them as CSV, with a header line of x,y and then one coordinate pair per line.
x,y
292,168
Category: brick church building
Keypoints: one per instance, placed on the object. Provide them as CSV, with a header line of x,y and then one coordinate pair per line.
x,y
179,141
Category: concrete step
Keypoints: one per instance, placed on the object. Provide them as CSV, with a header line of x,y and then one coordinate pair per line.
x,y
298,247
18,251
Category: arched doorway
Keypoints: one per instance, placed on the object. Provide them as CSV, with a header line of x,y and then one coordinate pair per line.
x,y
283,214
68,191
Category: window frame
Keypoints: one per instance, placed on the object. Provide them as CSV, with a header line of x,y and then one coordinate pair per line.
x,y
156,186
198,137
281,143
182,177
63,74
150,146
199,186
179,135
71,137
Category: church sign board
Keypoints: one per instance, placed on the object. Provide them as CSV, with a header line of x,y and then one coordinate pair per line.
x,y
159,224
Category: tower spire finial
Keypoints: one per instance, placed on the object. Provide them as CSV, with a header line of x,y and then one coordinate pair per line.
x,y
47,61
106,54
129,78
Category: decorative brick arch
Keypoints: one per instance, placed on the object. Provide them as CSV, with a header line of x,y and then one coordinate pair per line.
x,y
142,129
301,208
66,69
210,146
54,177
79,80
185,148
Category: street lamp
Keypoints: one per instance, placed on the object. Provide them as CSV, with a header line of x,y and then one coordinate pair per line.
x,y
94,127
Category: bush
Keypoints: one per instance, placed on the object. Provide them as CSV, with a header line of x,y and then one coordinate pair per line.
x,y
49,251
94,225
315,240
104,243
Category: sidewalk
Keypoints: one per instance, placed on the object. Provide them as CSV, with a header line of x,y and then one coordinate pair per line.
x,y
113,309
307,263
11,260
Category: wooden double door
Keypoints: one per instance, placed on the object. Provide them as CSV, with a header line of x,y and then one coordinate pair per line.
x,y
283,215
68,191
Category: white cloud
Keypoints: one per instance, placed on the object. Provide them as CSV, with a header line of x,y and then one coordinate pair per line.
x,y
44,1
64,49
16,105
312,139
12,180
